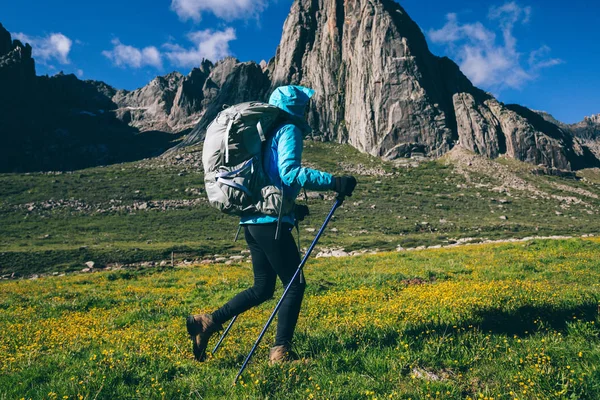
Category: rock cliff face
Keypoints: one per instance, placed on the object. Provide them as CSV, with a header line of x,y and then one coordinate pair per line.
x,y
491,128
17,68
231,82
169,103
377,85
380,89
175,103
586,131
61,122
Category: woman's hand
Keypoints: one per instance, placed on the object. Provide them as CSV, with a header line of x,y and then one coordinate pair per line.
x,y
344,185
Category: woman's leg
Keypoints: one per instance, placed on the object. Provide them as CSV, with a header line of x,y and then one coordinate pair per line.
x,y
264,284
284,259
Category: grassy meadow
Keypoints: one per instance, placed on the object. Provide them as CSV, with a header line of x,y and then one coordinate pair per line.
x,y
146,210
485,321
500,321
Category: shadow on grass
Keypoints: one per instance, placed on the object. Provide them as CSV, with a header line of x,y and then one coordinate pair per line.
x,y
521,322
527,319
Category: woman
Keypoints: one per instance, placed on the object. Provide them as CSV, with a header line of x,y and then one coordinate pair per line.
x,y
275,255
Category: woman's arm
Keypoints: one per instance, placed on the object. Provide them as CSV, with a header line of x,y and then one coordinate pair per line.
x,y
289,151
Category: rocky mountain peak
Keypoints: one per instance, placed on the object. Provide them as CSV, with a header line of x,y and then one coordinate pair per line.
x,y
17,68
175,103
5,41
377,85
205,67
15,53
172,78
594,119
223,69
588,129
230,82
379,88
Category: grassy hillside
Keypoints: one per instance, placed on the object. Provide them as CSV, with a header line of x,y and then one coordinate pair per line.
x,y
511,321
146,210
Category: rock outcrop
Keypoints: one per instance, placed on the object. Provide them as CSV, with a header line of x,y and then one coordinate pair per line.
x,y
586,131
61,122
176,103
491,128
17,69
170,103
378,86
5,41
380,89
231,82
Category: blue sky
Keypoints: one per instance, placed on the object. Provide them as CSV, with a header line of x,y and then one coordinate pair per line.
x,y
542,54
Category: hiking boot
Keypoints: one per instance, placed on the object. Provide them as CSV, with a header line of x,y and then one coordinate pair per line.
x,y
280,354
200,328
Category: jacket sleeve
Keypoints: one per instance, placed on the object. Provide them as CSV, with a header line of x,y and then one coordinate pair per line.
x,y
289,152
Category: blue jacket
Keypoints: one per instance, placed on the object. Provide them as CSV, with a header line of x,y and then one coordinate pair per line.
x,y
283,153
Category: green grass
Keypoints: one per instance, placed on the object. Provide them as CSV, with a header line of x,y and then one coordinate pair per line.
x,y
427,205
508,321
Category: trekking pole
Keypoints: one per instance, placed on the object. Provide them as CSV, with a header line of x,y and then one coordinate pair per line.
x,y
338,202
224,334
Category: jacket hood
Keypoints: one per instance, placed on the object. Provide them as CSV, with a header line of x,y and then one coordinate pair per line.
x,y
292,99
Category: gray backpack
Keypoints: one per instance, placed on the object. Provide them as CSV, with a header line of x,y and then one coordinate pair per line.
x,y
232,156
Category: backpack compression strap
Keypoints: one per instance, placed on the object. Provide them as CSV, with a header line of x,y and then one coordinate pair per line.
x,y
229,126
261,132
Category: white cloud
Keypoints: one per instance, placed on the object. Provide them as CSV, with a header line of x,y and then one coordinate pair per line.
x,y
538,59
510,13
453,32
55,46
128,56
151,56
208,44
485,61
224,9
79,73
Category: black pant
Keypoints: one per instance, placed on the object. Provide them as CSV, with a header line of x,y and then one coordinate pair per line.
x,y
270,258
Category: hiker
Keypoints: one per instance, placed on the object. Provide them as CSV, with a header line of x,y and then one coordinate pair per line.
x,y
272,246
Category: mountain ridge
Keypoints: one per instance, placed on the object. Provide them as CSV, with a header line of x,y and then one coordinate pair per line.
x,y
382,90
61,122
379,88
